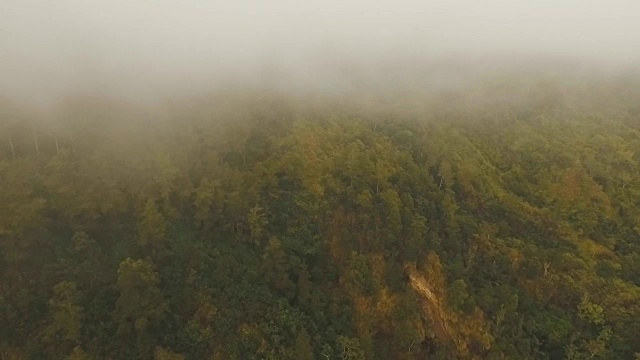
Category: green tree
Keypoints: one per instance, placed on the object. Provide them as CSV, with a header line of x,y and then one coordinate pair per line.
x,y
277,267
203,201
153,226
161,353
78,354
66,315
257,222
140,305
350,348
302,349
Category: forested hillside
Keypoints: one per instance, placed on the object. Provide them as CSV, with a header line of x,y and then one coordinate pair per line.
x,y
498,221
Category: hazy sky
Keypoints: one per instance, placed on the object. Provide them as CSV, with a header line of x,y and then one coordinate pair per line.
x,y
48,48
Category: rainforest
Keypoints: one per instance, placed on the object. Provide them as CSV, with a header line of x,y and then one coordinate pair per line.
x,y
495,220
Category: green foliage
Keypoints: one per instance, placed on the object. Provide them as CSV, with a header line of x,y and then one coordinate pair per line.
x,y
140,305
78,354
163,354
350,348
66,315
302,349
152,226
276,230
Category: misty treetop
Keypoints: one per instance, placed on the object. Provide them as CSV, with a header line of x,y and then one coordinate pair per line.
x,y
496,222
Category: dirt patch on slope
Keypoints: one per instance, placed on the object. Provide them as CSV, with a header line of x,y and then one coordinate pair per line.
x,y
431,304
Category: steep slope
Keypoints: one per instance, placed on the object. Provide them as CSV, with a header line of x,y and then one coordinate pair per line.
x,y
464,231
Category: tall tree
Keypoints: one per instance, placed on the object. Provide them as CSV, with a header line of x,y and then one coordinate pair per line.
x,y
140,305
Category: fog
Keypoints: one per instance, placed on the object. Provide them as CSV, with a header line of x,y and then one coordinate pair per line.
x,y
151,50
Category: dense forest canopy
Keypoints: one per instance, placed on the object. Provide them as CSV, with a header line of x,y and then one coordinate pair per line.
x,y
495,219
